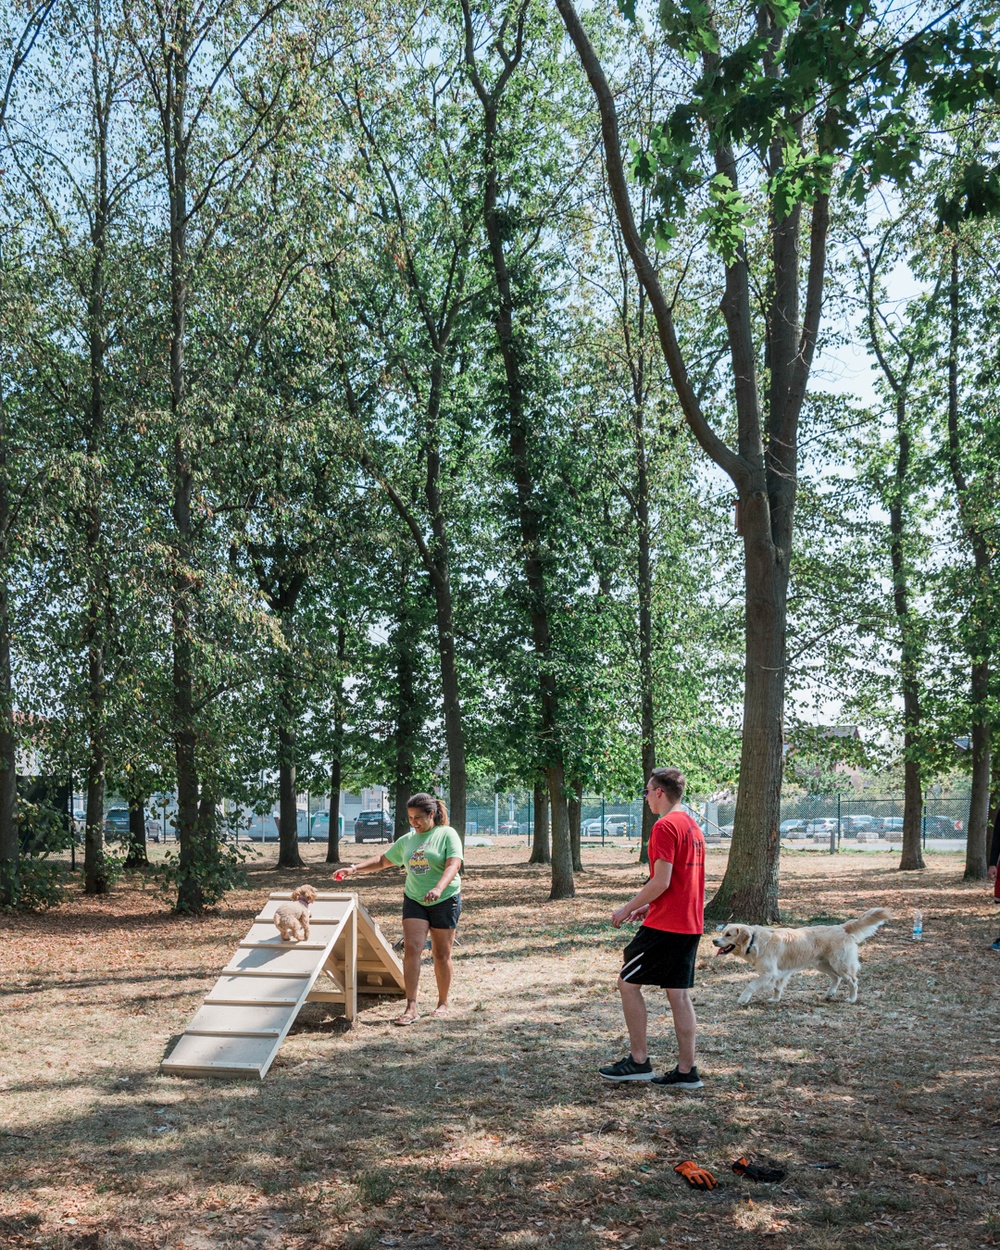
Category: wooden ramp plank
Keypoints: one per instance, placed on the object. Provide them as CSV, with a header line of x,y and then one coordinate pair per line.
x,y
246,1016
325,910
220,1056
272,961
264,989
268,1018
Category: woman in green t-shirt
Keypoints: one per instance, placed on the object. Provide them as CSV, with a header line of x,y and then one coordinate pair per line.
x,y
432,899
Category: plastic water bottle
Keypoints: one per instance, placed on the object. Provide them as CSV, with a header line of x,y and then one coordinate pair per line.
x,y
918,926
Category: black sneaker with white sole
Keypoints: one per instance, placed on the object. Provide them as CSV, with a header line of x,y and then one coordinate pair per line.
x,y
628,1070
683,1080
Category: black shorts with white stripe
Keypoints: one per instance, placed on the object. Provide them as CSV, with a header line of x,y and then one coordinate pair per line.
x,y
655,957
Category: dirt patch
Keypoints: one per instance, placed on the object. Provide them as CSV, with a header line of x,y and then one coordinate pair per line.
x,y
492,1129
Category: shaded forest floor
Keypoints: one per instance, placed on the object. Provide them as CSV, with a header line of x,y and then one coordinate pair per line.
x,y
492,1128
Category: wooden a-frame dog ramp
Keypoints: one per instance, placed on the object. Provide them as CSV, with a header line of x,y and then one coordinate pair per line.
x,y
241,1024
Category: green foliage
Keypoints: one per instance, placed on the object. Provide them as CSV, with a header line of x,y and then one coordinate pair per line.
x,y
38,884
803,90
976,196
725,218
216,866
42,830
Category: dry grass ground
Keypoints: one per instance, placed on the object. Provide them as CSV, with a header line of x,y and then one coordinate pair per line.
x,y
492,1129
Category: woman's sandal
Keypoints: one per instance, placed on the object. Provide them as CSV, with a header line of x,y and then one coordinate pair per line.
x,y
404,1020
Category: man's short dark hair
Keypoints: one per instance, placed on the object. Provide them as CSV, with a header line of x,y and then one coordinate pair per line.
x,y
671,781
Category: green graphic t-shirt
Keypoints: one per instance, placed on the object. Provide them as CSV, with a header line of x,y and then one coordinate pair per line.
x,y
423,856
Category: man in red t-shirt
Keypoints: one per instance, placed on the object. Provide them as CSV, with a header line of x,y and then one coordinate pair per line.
x,y
671,906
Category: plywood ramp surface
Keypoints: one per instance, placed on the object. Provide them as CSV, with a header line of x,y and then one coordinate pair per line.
x,y
246,1016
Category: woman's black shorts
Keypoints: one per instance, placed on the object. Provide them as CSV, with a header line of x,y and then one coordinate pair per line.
x,y
655,957
443,915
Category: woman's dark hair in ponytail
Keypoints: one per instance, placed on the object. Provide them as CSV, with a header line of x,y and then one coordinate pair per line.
x,y
430,806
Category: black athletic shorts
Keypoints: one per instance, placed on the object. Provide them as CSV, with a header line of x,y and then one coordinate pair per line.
x,y
655,957
443,915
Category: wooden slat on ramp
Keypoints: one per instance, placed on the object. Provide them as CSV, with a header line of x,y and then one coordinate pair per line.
x,y
246,1016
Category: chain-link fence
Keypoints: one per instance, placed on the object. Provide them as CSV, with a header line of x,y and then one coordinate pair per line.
x,y
828,821
837,818
601,819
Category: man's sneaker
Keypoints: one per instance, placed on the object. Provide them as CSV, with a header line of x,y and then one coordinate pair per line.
x,y
628,1070
996,945
684,1080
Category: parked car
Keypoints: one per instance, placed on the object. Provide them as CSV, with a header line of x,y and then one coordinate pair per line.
x,y
116,825
614,827
621,825
115,822
792,829
725,831
854,824
373,826
526,828
824,826
940,827
508,827
888,824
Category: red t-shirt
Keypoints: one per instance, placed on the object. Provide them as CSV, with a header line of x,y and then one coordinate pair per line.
x,y
681,907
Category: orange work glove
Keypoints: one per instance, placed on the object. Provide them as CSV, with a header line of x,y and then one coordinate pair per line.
x,y
743,1167
695,1176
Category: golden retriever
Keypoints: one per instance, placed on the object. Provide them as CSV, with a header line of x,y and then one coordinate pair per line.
x,y
777,954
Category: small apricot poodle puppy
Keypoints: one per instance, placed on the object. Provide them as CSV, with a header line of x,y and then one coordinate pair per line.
x,y
292,918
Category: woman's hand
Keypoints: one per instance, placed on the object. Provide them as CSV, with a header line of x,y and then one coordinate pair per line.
x,y
432,896
348,869
992,870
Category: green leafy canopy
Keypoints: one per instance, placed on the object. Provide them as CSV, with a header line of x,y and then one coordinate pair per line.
x,y
800,91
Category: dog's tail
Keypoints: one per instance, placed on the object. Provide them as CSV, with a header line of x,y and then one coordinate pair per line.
x,y
864,926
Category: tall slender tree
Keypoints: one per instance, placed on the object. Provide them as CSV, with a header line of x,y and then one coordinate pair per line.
x,y
790,87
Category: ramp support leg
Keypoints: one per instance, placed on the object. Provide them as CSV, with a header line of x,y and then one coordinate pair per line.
x,y
351,966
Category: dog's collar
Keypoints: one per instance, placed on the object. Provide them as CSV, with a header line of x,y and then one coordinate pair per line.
x,y
753,938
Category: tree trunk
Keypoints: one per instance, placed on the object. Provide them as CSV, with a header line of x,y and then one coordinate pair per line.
x,y
409,716
336,764
913,810
976,851
289,855
749,888
95,877
643,560
910,646
575,812
977,845
541,852
512,350
562,852
644,582
454,730
95,870
194,852
333,835
10,849
136,856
